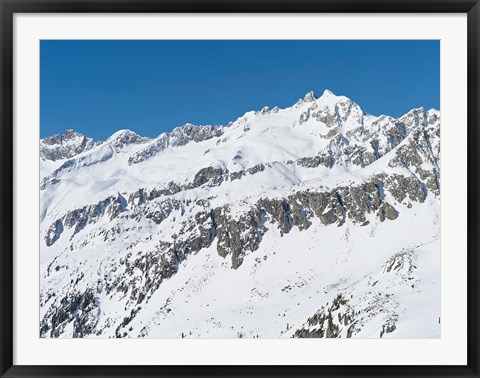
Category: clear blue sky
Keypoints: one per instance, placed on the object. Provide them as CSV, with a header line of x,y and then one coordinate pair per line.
x,y
99,87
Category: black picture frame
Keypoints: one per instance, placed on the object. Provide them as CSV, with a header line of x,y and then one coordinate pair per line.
x,y
10,7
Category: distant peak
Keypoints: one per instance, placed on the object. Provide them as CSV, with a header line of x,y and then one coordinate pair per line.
x,y
185,127
327,93
125,137
421,111
66,136
123,132
414,111
70,133
309,97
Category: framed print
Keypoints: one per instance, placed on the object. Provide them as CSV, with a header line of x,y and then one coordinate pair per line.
x,y
238,188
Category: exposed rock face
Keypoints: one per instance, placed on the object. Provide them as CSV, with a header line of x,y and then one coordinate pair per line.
x,y
387,211
402,187
211,175
313,162
54,232
180,136
356,306
124,138
64,146
187,133
80,308
236,236
153,148
243,232
322,323
383,135
111,207
421,154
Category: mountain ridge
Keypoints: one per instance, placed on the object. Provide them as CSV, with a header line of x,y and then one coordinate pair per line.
x,y
309,97
320,185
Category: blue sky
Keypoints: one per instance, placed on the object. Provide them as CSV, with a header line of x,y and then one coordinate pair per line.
x,y
99,87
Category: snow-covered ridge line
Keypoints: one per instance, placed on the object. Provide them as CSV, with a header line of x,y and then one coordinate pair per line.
x,y
350,136
69,135
179,136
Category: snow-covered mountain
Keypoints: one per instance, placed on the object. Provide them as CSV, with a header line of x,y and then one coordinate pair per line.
x,y
317,220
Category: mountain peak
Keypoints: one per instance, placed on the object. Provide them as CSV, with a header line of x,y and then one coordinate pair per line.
x,y
66,136
327,93
65,145
413,113
70,133
125,137
309,97
122,132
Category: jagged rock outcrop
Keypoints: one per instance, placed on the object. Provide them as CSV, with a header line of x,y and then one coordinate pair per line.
x,y
111,207
124,138
211,175
324,325
54,232
180,136
236,236
153,148
357,305
64,146
81,309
